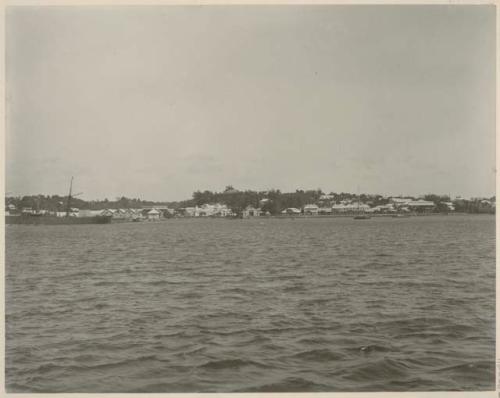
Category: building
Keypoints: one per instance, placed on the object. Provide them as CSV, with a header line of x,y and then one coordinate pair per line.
x,y
343,208
136,214
251,211
311,210
208,210
291,211
189,211
220,210
10,209
421,205
326,197
400,201
119,214
388,208
153,215
224,211
106,212
350,208
450,206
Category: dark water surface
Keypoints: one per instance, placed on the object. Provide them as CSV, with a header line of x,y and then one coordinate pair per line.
x,y
204,305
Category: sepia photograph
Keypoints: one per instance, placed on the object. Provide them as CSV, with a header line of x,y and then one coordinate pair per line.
x,y
236,198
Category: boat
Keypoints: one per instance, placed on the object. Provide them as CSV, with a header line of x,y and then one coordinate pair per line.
x,y
31,219
400,216
39,218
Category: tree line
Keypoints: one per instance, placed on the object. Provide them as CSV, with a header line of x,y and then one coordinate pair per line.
x,y
60,203
272,201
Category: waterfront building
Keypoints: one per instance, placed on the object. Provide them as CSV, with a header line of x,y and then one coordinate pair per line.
x,y
204,210
189,211
106,212
223,211
450,206
339,208
153,215
421,205
209,210
10,209
311,209
291,211
388,208
347,207
251,211
400,201
344,207
119,214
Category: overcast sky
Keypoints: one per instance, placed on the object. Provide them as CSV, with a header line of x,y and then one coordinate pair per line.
x,y
157,102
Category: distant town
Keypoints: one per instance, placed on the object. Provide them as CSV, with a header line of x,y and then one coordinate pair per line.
x,y
235,203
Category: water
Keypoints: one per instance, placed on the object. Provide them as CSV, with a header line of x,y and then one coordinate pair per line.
x,y
207,305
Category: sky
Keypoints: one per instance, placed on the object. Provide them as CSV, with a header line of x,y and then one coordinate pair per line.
x,y
156,102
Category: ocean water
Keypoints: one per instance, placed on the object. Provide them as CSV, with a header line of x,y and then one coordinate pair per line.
x,y
209,305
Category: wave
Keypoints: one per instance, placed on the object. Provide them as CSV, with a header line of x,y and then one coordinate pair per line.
x,y
471,367
231,364
50,367
290,384
22,388
319,355
411,324
314,341
384,369
367,349
166,335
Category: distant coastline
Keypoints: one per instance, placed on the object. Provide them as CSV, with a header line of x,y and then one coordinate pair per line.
x,y
233,203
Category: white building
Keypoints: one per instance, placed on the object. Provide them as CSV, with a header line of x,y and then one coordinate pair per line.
x,y
400,201
350,208
251,211
450,206
106,212
421,205
326,197
311,209
119,214
209,210
291,211
388,208
153,215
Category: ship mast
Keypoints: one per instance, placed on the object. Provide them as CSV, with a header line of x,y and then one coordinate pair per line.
x,y
68,206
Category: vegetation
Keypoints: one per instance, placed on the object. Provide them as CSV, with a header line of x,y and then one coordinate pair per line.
x,y
59,203
273,201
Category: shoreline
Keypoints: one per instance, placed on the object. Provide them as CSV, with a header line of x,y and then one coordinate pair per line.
x,y
302,216
277,217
